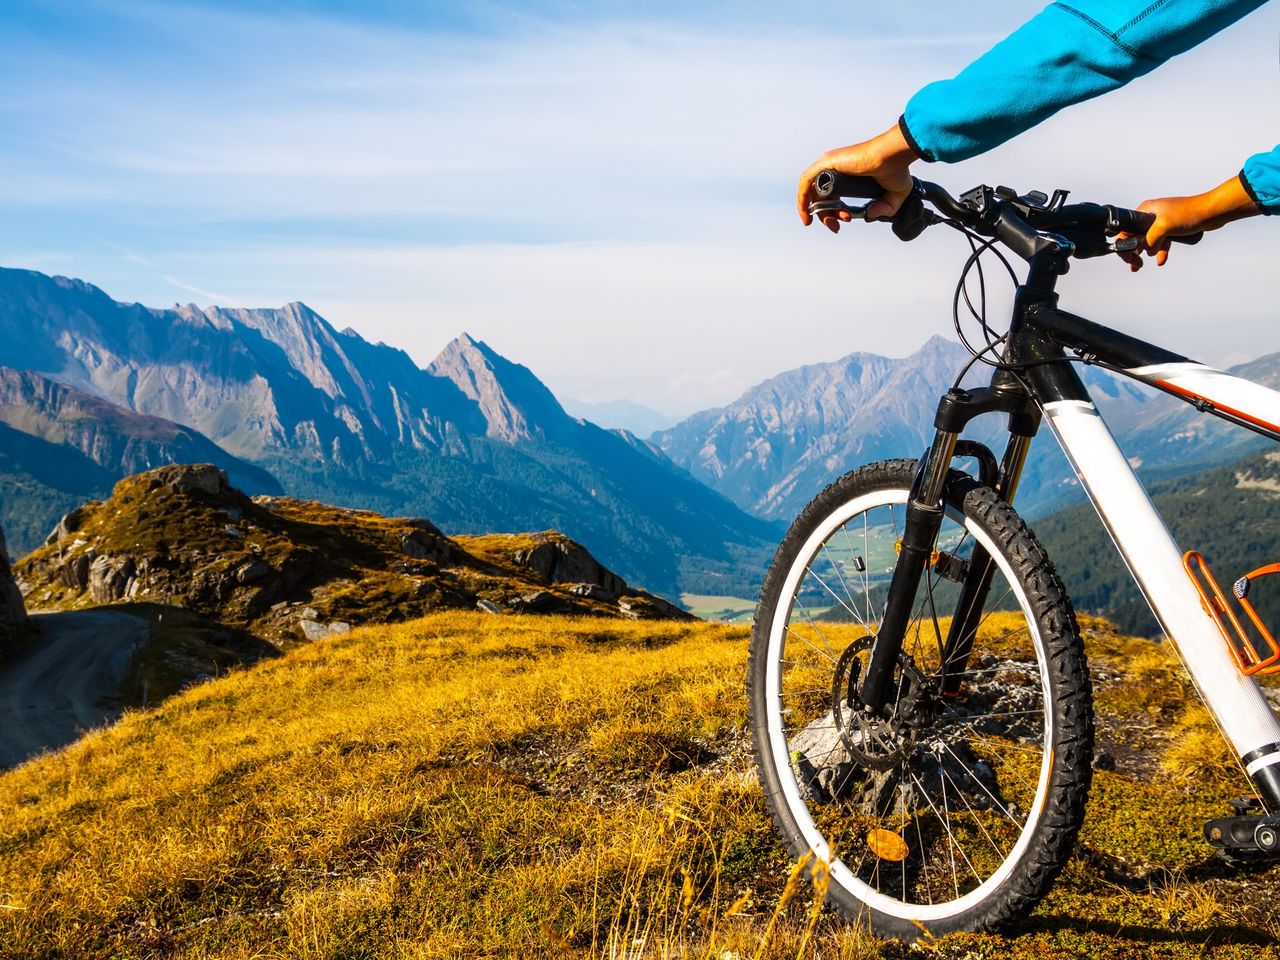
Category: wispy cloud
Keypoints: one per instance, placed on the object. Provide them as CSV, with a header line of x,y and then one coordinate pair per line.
x,y
220,299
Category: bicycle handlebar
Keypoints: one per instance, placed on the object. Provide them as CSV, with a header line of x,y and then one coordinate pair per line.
x,y
999,212
829,184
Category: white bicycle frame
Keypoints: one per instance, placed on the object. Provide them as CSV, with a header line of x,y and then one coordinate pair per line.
x,y
1156,561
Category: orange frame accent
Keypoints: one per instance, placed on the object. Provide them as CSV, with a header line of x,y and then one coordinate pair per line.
x,y
1184,392
1216,606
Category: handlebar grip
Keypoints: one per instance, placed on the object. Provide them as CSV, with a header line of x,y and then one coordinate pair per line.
x,y
829,184
1133,221
1138,222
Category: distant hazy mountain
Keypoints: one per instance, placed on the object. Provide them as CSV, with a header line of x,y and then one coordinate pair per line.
x,y
475,442
781,442
59,446
776,446
622,415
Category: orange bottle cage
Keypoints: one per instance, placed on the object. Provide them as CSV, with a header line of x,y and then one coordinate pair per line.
x,y
1243,649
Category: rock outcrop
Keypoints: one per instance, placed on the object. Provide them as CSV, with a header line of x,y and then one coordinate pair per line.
x,y
559,560
286,569
13,614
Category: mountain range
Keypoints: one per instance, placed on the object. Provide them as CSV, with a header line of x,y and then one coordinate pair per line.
x,y
93,389
776,446
475,442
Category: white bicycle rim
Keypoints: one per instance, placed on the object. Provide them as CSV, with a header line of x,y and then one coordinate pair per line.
x,y
840,872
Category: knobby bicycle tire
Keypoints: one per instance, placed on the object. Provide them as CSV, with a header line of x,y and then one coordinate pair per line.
x,y
939,826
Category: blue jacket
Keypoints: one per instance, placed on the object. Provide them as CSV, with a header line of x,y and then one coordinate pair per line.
x,y
1067,53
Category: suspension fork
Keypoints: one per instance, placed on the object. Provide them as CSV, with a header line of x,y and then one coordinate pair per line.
x,y
925,508
924,520
977,582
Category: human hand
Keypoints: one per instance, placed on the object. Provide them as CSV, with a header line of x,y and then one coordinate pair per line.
x,y
1184,216
886,158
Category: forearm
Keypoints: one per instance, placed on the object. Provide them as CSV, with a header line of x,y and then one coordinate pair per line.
x,y
1227,202
1066,54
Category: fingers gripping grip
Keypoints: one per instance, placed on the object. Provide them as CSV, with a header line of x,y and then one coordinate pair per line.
x,y
1138,222
830,186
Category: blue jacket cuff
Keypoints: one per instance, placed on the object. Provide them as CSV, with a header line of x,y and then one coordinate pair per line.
x,y
1261,180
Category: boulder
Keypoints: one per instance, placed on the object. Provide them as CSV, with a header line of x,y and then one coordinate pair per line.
x,y
314,630
109,578
536,601
426,542
564,561
190,478
252,571
75,572
591,591
70,522
13,613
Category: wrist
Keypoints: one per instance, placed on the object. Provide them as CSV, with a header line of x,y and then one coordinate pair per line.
x,y
893,150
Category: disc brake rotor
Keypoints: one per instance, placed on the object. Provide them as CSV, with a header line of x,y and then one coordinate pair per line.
x,y
873,741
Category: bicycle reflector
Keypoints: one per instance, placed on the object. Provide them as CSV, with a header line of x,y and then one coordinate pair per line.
x,y
1244,649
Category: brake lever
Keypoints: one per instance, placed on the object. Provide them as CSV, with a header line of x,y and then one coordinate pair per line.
x,y
1134,244
834,205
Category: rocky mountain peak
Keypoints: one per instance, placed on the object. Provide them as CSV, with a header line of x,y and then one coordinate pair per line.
x,y
516,405
780,442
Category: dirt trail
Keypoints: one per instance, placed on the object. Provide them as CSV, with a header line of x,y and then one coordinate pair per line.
x,y
68,683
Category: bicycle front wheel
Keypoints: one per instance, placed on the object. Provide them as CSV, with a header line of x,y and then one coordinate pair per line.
x,y
954,809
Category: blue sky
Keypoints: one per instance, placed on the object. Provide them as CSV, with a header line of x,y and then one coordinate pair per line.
x,y
603,191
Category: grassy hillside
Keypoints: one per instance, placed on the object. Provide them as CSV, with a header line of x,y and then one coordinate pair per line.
x,y
465,785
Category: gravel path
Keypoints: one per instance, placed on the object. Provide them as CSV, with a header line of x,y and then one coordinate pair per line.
x,y
68,684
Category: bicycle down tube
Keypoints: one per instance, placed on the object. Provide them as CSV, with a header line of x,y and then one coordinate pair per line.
x,y
1143,541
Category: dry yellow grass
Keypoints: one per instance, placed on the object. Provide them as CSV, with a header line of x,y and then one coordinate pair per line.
x,y
465,785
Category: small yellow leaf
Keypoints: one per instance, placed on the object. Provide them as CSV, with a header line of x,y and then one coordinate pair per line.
x,y
887,845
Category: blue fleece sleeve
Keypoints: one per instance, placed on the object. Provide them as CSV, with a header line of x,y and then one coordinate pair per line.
x,y
1261,179
1065,54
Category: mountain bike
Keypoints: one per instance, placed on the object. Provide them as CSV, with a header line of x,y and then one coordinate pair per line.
x,y
920,704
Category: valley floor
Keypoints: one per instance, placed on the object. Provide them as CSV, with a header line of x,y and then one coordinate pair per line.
x,y
468,785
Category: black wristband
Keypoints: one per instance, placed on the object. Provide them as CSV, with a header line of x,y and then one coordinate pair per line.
x,y
911,141
1248,188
